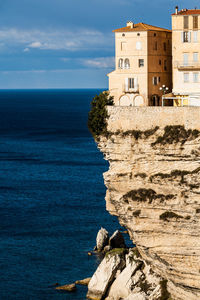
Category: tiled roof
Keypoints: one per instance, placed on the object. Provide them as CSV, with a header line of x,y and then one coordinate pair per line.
x,y
141,27
188,12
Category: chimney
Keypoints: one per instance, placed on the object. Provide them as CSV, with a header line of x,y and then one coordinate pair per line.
x,y
176,10
130,24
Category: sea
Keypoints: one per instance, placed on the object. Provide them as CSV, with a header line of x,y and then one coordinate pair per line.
x,y
51,193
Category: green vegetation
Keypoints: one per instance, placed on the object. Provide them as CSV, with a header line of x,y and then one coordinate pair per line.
x,y
117,251
175,174
165,295
137,134
176,134
169,215
97,122
143,195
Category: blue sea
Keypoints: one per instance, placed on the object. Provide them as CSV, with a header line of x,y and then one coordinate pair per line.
x,y
51,193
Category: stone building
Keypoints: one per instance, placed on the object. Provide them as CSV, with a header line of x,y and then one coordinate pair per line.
x,y
185,54
143,64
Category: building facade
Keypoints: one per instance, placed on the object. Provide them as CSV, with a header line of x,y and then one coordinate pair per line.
x,y
186,55
143,64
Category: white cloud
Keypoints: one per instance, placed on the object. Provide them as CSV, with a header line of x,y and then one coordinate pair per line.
x,y
26,50
99,62
77,39
35,45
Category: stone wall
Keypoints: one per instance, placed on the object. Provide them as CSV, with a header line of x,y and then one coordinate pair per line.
x,y
153,187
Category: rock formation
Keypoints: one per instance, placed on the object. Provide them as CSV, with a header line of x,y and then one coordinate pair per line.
x,y
153,187
124,275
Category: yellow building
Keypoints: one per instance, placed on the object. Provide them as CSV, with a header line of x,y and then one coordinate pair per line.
x,y
186,55
143,64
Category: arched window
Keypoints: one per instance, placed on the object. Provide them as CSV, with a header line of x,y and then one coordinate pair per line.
x,y
127,63
120,63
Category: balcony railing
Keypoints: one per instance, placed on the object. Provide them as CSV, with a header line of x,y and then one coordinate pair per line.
x,y
189,65
126,89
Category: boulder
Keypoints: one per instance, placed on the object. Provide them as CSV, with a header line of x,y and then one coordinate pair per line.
x,y
122,286
83,281
117,240
67,287
105,275
102,239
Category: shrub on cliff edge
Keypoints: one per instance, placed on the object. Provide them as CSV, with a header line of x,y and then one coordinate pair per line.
x,y
97,122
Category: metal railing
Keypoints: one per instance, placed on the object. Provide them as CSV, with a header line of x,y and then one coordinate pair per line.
x,y
126,89
187,65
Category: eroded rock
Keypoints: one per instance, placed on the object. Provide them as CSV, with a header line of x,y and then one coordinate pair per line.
x,y
117,240
83,281
105,274
102,239
67,287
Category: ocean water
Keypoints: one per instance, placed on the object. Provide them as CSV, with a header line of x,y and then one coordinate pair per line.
x,y
51,193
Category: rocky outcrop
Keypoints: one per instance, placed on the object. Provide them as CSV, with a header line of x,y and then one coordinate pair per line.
x,y
102,239
67,287
130,279
153,187
117,240
105,274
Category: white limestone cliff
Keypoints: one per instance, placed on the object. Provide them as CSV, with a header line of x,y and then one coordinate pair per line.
x,y
153,187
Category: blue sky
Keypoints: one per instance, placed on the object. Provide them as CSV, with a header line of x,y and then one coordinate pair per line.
x,y
69,44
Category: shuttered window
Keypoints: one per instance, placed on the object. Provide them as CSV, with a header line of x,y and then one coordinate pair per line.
x,y
195,22
185,25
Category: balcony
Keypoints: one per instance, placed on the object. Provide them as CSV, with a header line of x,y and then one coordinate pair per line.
x,y
131,90
189,65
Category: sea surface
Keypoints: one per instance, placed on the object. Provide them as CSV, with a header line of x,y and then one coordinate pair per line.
x,y
51,193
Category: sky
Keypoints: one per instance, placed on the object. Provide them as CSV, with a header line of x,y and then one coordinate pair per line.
x,y
69,43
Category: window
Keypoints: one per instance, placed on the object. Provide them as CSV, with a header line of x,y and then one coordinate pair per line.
x,y
195,77
141,63
160,62
155,46
120,63
186,37
138,45
195,22
185,59
185,23
186,77
123,46
164,46
154,34
155,80
195,56
131,83
195,36
165,65
123,34
138,34
127,63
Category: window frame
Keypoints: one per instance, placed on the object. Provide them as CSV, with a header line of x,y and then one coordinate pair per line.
x,y
141,62
195,77
186,77
195,22
185,22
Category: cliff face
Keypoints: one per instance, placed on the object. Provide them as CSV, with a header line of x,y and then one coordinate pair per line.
x,y
153,186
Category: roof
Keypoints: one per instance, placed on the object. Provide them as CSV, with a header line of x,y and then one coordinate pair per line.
x,y
141,27
186,12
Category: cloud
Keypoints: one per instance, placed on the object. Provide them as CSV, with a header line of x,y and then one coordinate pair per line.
x,y
99,62
71,40
35,45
